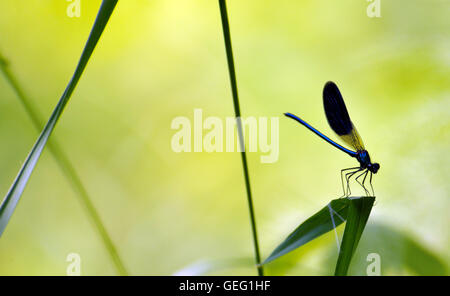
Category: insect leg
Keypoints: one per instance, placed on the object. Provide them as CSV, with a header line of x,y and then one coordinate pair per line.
x,y
347,178
365,172
370,182
342,179
364,180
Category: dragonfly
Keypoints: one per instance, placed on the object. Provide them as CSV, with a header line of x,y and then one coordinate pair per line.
x,y
339,121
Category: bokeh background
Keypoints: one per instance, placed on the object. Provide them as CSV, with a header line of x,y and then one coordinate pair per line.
x,y
187,213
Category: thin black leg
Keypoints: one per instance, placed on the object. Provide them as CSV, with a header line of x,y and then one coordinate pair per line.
x,y
342,179
347,178
364,181
370,182
364,173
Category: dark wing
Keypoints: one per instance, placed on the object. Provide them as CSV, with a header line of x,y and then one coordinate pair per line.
x,y
338,118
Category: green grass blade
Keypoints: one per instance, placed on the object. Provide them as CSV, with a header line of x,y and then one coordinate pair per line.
x,y
67,168
318,224
400,252
237,111
358,214
12,197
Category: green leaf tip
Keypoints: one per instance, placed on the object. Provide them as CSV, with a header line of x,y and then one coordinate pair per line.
x,y
354,211
358,213
11,199
315,226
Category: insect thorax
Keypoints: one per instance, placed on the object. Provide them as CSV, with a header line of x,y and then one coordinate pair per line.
x,y
363,158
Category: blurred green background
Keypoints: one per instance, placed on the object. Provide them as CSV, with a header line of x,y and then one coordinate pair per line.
x,y
173,212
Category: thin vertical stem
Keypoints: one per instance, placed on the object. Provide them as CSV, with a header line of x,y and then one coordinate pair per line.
x,y
237,111
68,170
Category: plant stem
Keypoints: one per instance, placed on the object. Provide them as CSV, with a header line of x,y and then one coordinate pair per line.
x,y
237,111
68,170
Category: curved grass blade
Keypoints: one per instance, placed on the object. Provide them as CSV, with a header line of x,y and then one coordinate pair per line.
x,y
358,214
318,224
12,197
67,168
